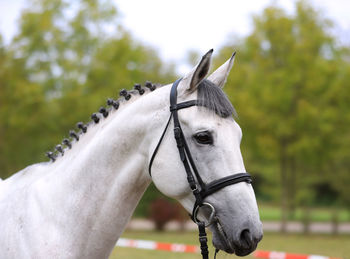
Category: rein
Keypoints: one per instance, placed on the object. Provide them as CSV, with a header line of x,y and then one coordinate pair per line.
x,y
199,189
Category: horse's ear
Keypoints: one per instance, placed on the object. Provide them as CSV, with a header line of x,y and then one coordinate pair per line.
x,y
193,79
220,75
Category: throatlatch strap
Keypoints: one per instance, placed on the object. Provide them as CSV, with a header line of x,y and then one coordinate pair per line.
x,y
157,147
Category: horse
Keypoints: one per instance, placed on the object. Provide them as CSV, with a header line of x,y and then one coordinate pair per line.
x,y
79,203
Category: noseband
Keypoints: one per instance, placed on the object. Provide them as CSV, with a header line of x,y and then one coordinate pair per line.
x,y
200,189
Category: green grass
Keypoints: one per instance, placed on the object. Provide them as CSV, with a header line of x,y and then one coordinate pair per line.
x,y
327,245
273,213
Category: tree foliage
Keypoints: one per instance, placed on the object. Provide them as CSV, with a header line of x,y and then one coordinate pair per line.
x,y
67,58
290,89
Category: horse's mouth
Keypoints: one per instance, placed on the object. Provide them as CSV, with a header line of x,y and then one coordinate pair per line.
x,y
222,242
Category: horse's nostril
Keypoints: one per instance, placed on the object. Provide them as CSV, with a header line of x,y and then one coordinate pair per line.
x,y
246,239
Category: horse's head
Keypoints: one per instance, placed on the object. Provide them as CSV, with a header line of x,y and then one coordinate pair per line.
x,y
213,139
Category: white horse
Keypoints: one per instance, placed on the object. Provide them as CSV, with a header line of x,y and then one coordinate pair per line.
x,y
78,204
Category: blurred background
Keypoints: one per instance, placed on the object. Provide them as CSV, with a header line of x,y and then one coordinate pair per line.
x,y
60,60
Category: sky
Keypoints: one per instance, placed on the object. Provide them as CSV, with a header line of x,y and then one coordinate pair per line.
x,y
175,27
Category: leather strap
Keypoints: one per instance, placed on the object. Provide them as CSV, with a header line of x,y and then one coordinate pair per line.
x,y
157,147
216,185
179,106
203,240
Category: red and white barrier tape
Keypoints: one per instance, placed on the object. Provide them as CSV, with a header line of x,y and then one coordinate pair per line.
x,y
152,245
282,255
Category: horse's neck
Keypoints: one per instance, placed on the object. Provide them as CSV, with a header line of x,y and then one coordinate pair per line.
x,y
100,181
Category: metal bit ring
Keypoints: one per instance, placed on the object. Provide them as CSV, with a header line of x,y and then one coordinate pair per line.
x,y
211,216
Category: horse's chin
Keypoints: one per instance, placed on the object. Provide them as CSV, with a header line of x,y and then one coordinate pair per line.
x,y
231,249
222,242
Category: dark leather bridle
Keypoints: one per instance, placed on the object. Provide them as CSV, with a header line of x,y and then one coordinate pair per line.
x,y
199,188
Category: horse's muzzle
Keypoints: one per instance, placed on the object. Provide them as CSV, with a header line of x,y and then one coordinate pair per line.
x,y
241,244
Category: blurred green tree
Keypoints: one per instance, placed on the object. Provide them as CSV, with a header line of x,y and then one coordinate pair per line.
x,y
22,107
290,88
67,58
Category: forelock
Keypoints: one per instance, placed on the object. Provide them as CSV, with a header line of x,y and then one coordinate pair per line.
x,y
212,97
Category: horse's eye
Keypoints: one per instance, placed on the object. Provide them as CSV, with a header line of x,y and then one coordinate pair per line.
x,y
204,137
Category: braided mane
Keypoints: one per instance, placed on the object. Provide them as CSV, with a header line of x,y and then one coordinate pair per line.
x,y
96,117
